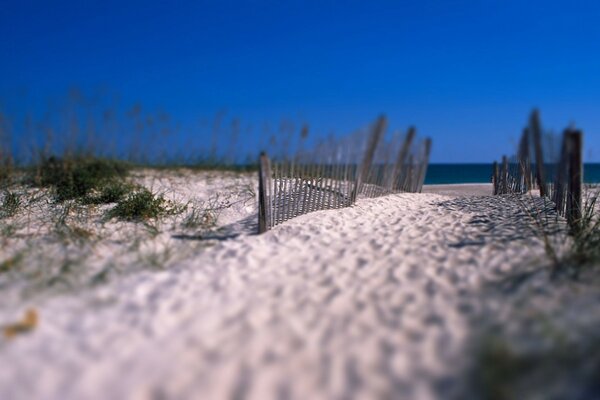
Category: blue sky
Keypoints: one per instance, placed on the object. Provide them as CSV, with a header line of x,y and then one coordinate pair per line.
x,y
466,73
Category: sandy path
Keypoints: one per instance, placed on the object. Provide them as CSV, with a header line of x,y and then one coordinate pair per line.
x,y
372,301
461,190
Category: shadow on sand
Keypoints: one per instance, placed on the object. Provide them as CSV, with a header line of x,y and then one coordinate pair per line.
x,y
504,218
246,226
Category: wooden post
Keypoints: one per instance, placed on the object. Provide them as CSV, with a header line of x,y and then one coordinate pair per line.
x,y
495,178
317,192
304,188
338,183
297,188
284,188
575,145
424,164
395,184
558,193
269,192
527,160
409,174
289,190
327,185
513,177
279,185
504,178
264,178
367,161
309,188
276,193
524,161
536,132
319,186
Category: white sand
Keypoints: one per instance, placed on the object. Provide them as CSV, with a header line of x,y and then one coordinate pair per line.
x,y
461,189
373,301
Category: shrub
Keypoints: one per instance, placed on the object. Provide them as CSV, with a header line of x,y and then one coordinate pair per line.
x,y
74,178
10,204
140,205
111,192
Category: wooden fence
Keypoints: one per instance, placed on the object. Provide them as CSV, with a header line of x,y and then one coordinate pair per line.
x,y
549,163
335,175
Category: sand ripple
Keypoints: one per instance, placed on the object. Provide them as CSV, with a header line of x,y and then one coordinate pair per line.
x,y
372,301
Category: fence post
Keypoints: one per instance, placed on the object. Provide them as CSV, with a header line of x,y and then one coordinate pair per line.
x,y
264,177
575,144
365,165
558,192
395,183
408,180
536,131
495,177
524,160
504,175
424,164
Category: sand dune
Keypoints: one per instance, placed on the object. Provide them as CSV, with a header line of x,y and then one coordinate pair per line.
x,y
373,301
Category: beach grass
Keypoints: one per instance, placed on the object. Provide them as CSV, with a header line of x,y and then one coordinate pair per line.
x,y
141,204
504,370
569,250
76,177
109,192
585,248
11,203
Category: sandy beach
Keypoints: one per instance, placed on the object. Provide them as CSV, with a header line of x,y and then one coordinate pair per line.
x,y
460,190
377,301
250,200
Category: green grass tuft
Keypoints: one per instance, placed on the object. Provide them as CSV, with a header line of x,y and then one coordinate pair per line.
x,y
10,204
585,249
111,192
140,205
570,250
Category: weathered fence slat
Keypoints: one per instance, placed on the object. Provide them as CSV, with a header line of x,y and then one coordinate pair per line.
x,y
536,132
264,176
524,163
575,145
558,191
306,171
504,176
409,174
562,185
275,200
337,184
289,187
424,164
495,178
401,159
367,161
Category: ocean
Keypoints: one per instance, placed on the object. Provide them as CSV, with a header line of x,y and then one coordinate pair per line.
x,y
482,173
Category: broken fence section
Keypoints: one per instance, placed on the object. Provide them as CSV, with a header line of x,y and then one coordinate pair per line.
x,y
338,171
548,162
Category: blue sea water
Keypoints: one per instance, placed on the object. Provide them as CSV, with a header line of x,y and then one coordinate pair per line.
x,y
482,173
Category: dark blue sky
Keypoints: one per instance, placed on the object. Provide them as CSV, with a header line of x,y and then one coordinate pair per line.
x,y
466,73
